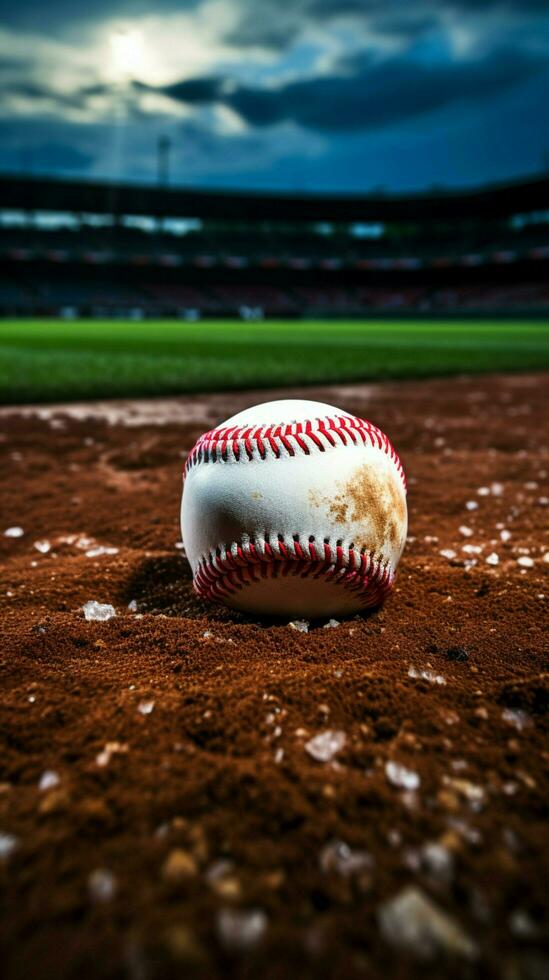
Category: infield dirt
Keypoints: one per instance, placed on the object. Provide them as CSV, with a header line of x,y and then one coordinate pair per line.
x,y
162,813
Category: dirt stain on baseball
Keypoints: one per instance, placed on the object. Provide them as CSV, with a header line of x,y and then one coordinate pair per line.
x,y
367,499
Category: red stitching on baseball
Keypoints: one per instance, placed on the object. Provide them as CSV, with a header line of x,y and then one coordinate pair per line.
x,y
218,576
219,443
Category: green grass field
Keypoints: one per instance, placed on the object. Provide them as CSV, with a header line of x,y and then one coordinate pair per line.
x,y
58,360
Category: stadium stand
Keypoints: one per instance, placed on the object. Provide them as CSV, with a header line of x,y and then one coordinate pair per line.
x,y
80,249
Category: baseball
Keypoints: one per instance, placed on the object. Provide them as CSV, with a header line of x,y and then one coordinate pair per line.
x,y
294,508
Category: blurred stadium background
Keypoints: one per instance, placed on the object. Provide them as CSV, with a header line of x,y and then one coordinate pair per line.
x,y
75,248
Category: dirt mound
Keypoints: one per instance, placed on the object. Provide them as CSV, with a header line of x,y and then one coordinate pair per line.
x,y
189,792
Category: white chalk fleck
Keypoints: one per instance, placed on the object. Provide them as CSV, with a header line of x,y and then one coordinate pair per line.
x,y
98,610
525,561
42,546
326,745
400,776
448,553
8,844
145,707
241,929
517,717
48,780
426,675
300,625
471,505
102,885
100,550
14,532
492,559
467,532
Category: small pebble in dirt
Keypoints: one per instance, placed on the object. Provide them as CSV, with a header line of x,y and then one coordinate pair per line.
x,y
145,707
42,546
331,624
241,929
525,561
98,610
465,531
483,491
132,606
522,925
411,921
14,532
516,717
464,788
179,866
471,505
222,879
111,748
339,857
48,780
437,862
301,625
325,746
505,535
448,553
8,843
401,777
101,885
492,559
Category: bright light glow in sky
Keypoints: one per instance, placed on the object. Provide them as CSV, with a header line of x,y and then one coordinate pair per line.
x,y
127,53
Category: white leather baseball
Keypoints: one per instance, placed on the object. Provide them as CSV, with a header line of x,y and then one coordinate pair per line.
x,y
294,508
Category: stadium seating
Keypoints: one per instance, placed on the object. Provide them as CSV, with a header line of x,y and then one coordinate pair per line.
x,y
227,264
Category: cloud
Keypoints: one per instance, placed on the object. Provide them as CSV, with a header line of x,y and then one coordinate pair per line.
x,y
280,25
266,90
271,24
366,93
35,15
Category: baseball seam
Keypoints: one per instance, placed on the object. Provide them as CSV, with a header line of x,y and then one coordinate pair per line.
x,y
231,443
231,568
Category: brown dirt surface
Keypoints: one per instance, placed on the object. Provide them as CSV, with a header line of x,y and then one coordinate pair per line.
x,y
183,828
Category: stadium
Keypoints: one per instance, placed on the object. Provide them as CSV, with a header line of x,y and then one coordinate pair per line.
x,y
76,249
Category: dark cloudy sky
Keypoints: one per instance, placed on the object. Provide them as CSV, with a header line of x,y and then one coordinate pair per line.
x,y
297,94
